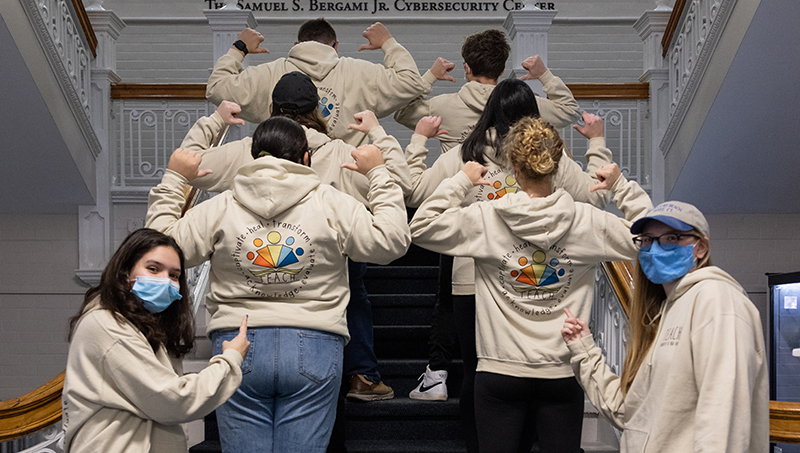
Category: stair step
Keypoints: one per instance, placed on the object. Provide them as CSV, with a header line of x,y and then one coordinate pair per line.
x,y
401,342
417,256
402,418
401,279
403,375
407,446
402,309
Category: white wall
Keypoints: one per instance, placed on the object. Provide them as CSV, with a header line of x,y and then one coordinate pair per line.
x,y
38,294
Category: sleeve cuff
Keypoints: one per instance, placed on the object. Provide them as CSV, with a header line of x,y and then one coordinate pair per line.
x,y
388,44
597,142
419,140
546,77
232,52
233,356
581,346
619,183
376,133
174,179
429,77
463,181
217,119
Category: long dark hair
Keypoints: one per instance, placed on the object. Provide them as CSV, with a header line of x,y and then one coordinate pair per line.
x,y
510,101
173,328
280,137
311,120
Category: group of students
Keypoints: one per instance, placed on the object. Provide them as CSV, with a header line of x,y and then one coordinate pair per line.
x,y
306,202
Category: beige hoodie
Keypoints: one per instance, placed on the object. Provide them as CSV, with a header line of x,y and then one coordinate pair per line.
x,y
119,396
533,258
569,176
346,85
704,385
279,240
460,111
327,156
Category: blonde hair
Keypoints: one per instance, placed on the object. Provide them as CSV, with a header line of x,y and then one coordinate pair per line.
x,y
644,317
534,148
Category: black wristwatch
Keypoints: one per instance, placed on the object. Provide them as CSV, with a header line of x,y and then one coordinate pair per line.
x,y
239,44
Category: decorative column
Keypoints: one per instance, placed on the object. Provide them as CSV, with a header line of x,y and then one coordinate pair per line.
x,y
226,23
527,30
651,28
95,223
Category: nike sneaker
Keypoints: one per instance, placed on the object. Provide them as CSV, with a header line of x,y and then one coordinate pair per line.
x,y
432,386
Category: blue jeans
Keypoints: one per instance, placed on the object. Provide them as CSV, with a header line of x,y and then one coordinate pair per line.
x,y
359,354
287,400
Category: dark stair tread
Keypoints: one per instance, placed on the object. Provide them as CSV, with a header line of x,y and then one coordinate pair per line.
x,y
406,446
400,407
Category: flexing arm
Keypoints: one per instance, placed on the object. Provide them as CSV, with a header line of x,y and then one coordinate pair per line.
x,y
439,228
379,236
395,83
420,107
425,180
250,88
196,231
575,181
559,108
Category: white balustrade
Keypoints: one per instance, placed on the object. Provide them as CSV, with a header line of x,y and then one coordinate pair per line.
x,y
47,440
147,134
625,121
608,322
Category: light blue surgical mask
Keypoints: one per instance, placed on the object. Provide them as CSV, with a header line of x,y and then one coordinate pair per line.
x,y
156,293
664,265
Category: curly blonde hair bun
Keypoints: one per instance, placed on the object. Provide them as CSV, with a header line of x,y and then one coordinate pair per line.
x,y
534,147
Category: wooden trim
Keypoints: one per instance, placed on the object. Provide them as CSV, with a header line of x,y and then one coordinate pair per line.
x,y
784,422
672,25
197,91
582,91
33,411
86,25
620,274
161,91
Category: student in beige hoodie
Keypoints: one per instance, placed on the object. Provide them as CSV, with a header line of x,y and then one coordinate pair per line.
x,y
124,390
485,56
295,97
534,250
509,102
346,85
278,243
695,375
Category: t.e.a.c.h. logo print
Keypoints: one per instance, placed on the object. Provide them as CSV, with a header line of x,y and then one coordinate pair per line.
x,y
275,258
535,281
502,184
329,106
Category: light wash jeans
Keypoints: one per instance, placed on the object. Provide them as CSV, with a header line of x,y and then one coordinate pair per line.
x,y
287,400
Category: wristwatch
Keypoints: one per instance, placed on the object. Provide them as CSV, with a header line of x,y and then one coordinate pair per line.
x,y
239,44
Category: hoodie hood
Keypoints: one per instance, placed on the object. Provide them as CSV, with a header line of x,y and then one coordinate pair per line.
x,y
543,221
700,275
268,185
475,95
314,59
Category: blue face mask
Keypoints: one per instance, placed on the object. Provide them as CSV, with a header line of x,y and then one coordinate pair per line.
x,y
664,265
156,293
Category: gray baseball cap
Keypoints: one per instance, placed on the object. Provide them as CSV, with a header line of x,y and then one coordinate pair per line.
x,y
677,214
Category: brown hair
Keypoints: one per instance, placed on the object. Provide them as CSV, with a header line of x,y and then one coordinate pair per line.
x,y
173,328
534,148
311,120
644,317
486,53
319,30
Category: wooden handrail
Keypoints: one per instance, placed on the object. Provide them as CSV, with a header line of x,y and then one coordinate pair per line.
x,y
86,25
620,275
33,411
197,91
672,25
784,422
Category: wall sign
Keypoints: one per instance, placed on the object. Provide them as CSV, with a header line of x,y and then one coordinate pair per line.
x,y
378,6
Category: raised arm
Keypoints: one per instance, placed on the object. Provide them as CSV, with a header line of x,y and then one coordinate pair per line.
x,y
390,149
439,228
559,108
247,87
420,107
381,234
196,231
573,179
425,180
396,83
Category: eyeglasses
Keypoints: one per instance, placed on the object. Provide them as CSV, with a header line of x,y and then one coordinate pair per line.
x,y
667,241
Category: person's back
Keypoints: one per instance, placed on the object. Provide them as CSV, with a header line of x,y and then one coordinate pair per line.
x,y
485,55
346,85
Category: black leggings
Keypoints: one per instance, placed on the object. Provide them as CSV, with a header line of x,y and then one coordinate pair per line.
x,y
510,412
464,317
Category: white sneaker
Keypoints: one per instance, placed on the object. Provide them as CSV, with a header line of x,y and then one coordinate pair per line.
x,y
432,386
